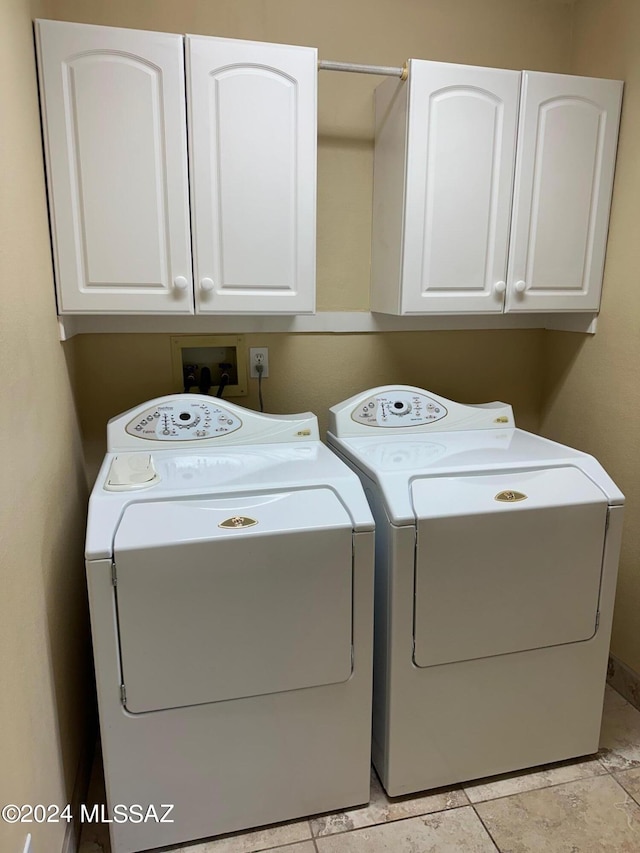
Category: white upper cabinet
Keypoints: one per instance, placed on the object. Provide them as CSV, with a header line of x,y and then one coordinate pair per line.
x,y
252,141
114,111
444,161
115,144
567,140
456,229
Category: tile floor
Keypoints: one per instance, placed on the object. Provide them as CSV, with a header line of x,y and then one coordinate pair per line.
x,y
583,806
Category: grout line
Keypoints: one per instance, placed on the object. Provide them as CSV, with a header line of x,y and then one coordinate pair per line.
x,y
485,827
280,846
636,799
542,788
594,757
393,820
607,770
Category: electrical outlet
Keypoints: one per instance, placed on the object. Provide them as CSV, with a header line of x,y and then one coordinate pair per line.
x,y
258,355
27,844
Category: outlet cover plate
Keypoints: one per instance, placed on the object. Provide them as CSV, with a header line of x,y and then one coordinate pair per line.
x,y
254,352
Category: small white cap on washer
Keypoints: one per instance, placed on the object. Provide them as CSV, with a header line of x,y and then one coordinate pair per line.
x,y
130,471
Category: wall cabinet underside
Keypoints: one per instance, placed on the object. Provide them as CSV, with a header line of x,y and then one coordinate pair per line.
x,y
324,322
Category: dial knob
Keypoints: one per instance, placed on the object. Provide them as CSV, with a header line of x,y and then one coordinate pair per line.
x,y
399,407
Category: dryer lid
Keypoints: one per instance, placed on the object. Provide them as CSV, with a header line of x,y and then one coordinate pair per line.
x,y
472,494
506,563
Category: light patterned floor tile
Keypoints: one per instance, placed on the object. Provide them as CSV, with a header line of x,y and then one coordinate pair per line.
x,y
630,781
530,780
589,816
620,733
452,831
258,839
200,847
381,809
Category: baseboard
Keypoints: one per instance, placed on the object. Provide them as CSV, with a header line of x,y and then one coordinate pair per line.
x,y
623,679
71,842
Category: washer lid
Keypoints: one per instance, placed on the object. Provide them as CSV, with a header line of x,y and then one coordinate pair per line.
x,y
157,524
231,598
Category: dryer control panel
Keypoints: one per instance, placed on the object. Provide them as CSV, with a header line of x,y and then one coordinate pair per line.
x,y
183,420
405,409
398,408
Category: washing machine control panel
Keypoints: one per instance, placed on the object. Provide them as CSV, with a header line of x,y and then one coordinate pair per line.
x,y
398,408
186,420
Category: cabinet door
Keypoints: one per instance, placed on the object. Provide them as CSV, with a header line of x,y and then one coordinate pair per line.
x,y
459,178
114,122
252,146
567,139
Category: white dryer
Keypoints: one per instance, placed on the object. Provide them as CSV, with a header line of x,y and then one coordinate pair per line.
x,y
230,573
496,563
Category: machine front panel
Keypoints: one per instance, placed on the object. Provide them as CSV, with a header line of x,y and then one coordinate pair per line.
x,y
238,609
502,569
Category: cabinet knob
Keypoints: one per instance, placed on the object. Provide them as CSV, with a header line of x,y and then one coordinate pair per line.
x,y
499,287
206,284
180,282
521,286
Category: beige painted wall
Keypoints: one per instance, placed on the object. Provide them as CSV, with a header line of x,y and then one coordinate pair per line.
x,y
316,371
592,392
43,630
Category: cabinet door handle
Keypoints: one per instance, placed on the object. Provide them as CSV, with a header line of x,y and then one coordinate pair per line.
x,y
520,286
180,282
499,287
206,284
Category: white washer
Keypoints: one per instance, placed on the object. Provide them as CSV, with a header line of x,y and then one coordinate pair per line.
x,y
230,573
496,563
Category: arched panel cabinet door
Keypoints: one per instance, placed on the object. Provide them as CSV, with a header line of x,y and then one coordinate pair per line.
x,y
114,120
459,153
567,139
252,147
